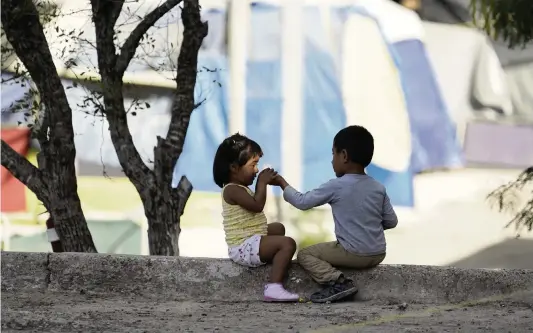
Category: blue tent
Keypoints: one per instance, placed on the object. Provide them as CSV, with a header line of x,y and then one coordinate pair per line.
x,y
433,141
362,63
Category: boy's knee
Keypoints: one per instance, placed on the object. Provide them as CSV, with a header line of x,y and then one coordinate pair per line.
x,y
303,253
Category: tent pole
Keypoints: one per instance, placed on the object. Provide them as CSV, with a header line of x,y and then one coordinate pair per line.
x,y
239,27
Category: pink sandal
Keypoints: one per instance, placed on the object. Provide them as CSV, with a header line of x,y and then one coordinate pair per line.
x,y
274,292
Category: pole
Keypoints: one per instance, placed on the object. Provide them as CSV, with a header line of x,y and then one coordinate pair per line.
x,y
239,27
53,238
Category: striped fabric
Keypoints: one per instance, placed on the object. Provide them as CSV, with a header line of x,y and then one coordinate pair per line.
x,y
241,224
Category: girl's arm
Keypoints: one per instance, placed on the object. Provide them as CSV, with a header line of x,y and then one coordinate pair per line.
x,y
237,195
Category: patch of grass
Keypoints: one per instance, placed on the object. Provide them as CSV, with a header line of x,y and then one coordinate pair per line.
x,y
118,195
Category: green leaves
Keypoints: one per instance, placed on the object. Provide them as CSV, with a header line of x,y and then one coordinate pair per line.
x,y
511,20
509,198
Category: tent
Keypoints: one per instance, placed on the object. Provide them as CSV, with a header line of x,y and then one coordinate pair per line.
x,y
486,84
517,62
391,80
308,71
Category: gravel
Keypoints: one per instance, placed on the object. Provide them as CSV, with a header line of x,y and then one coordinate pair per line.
x,y
67,312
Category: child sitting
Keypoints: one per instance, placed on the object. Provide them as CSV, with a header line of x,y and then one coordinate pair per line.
x,y
361,212
251,241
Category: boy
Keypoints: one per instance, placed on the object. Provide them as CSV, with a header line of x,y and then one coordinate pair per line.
x,y
361,211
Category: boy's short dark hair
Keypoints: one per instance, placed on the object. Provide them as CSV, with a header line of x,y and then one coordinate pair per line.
x,y
358,143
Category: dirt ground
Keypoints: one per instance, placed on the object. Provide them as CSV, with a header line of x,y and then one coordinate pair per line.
x,y
52,312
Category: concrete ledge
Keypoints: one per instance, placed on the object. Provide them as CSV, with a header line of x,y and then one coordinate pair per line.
x,y
24,270
219,279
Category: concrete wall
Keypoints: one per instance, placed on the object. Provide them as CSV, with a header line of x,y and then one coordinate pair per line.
x,y
217,279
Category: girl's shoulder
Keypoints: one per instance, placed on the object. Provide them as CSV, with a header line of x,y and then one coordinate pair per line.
x,y
237,185
232,191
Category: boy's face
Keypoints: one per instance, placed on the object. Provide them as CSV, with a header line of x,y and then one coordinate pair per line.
x,y
338,161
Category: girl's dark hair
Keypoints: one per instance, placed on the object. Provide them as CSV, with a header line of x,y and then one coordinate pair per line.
x,y
235,150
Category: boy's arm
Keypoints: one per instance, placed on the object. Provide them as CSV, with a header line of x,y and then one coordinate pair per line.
x,y
304,201
390,220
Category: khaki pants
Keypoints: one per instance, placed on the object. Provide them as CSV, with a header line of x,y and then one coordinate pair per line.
x,y
318,261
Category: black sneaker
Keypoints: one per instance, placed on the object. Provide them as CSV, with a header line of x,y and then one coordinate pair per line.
x,y
335,291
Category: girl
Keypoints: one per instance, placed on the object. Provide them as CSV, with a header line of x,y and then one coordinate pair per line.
x,y
251,241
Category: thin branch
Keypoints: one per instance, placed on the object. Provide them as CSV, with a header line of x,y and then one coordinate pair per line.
x,y
508,197
105,14
168,150
20,20
23,170
132,42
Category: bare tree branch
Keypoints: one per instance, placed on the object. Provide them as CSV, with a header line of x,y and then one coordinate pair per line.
x,y
168,150
23,170
20,20
54,183
508,197
132,42
105,14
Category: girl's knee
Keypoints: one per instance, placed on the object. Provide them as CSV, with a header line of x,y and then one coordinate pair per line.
x,y
276,229
289,243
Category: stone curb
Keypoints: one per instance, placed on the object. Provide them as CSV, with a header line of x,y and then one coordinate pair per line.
x,y
183,278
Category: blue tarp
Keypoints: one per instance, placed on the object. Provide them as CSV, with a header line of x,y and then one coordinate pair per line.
x,y
324,113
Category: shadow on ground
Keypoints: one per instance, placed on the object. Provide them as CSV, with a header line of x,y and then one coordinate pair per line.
x,y
511,253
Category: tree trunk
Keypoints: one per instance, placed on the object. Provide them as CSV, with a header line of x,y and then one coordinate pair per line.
x,y
63,202
169,149
163,211
163,205
70,223
54,183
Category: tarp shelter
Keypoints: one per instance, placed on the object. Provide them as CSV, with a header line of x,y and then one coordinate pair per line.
x,y
486,84
309,71
517,62
14,92
13,191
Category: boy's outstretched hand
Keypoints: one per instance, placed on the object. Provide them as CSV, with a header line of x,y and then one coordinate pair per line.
x,y
278,180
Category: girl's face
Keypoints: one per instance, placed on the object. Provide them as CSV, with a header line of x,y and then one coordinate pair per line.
x,y
246,174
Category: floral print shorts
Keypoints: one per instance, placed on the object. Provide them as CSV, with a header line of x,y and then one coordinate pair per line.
x,y
247,253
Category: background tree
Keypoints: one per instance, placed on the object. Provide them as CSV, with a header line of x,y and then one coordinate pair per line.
x,y
511,20
48,12
54,182
163,204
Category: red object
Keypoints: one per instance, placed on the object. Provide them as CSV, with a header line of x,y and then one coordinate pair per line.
x,y
52,236
13,191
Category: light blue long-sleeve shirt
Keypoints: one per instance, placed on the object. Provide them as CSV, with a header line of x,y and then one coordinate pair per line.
x,y
361,211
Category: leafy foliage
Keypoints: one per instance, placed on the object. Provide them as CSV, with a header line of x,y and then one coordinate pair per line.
x,y
48,12
510,19
508,197
28,105
93,50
